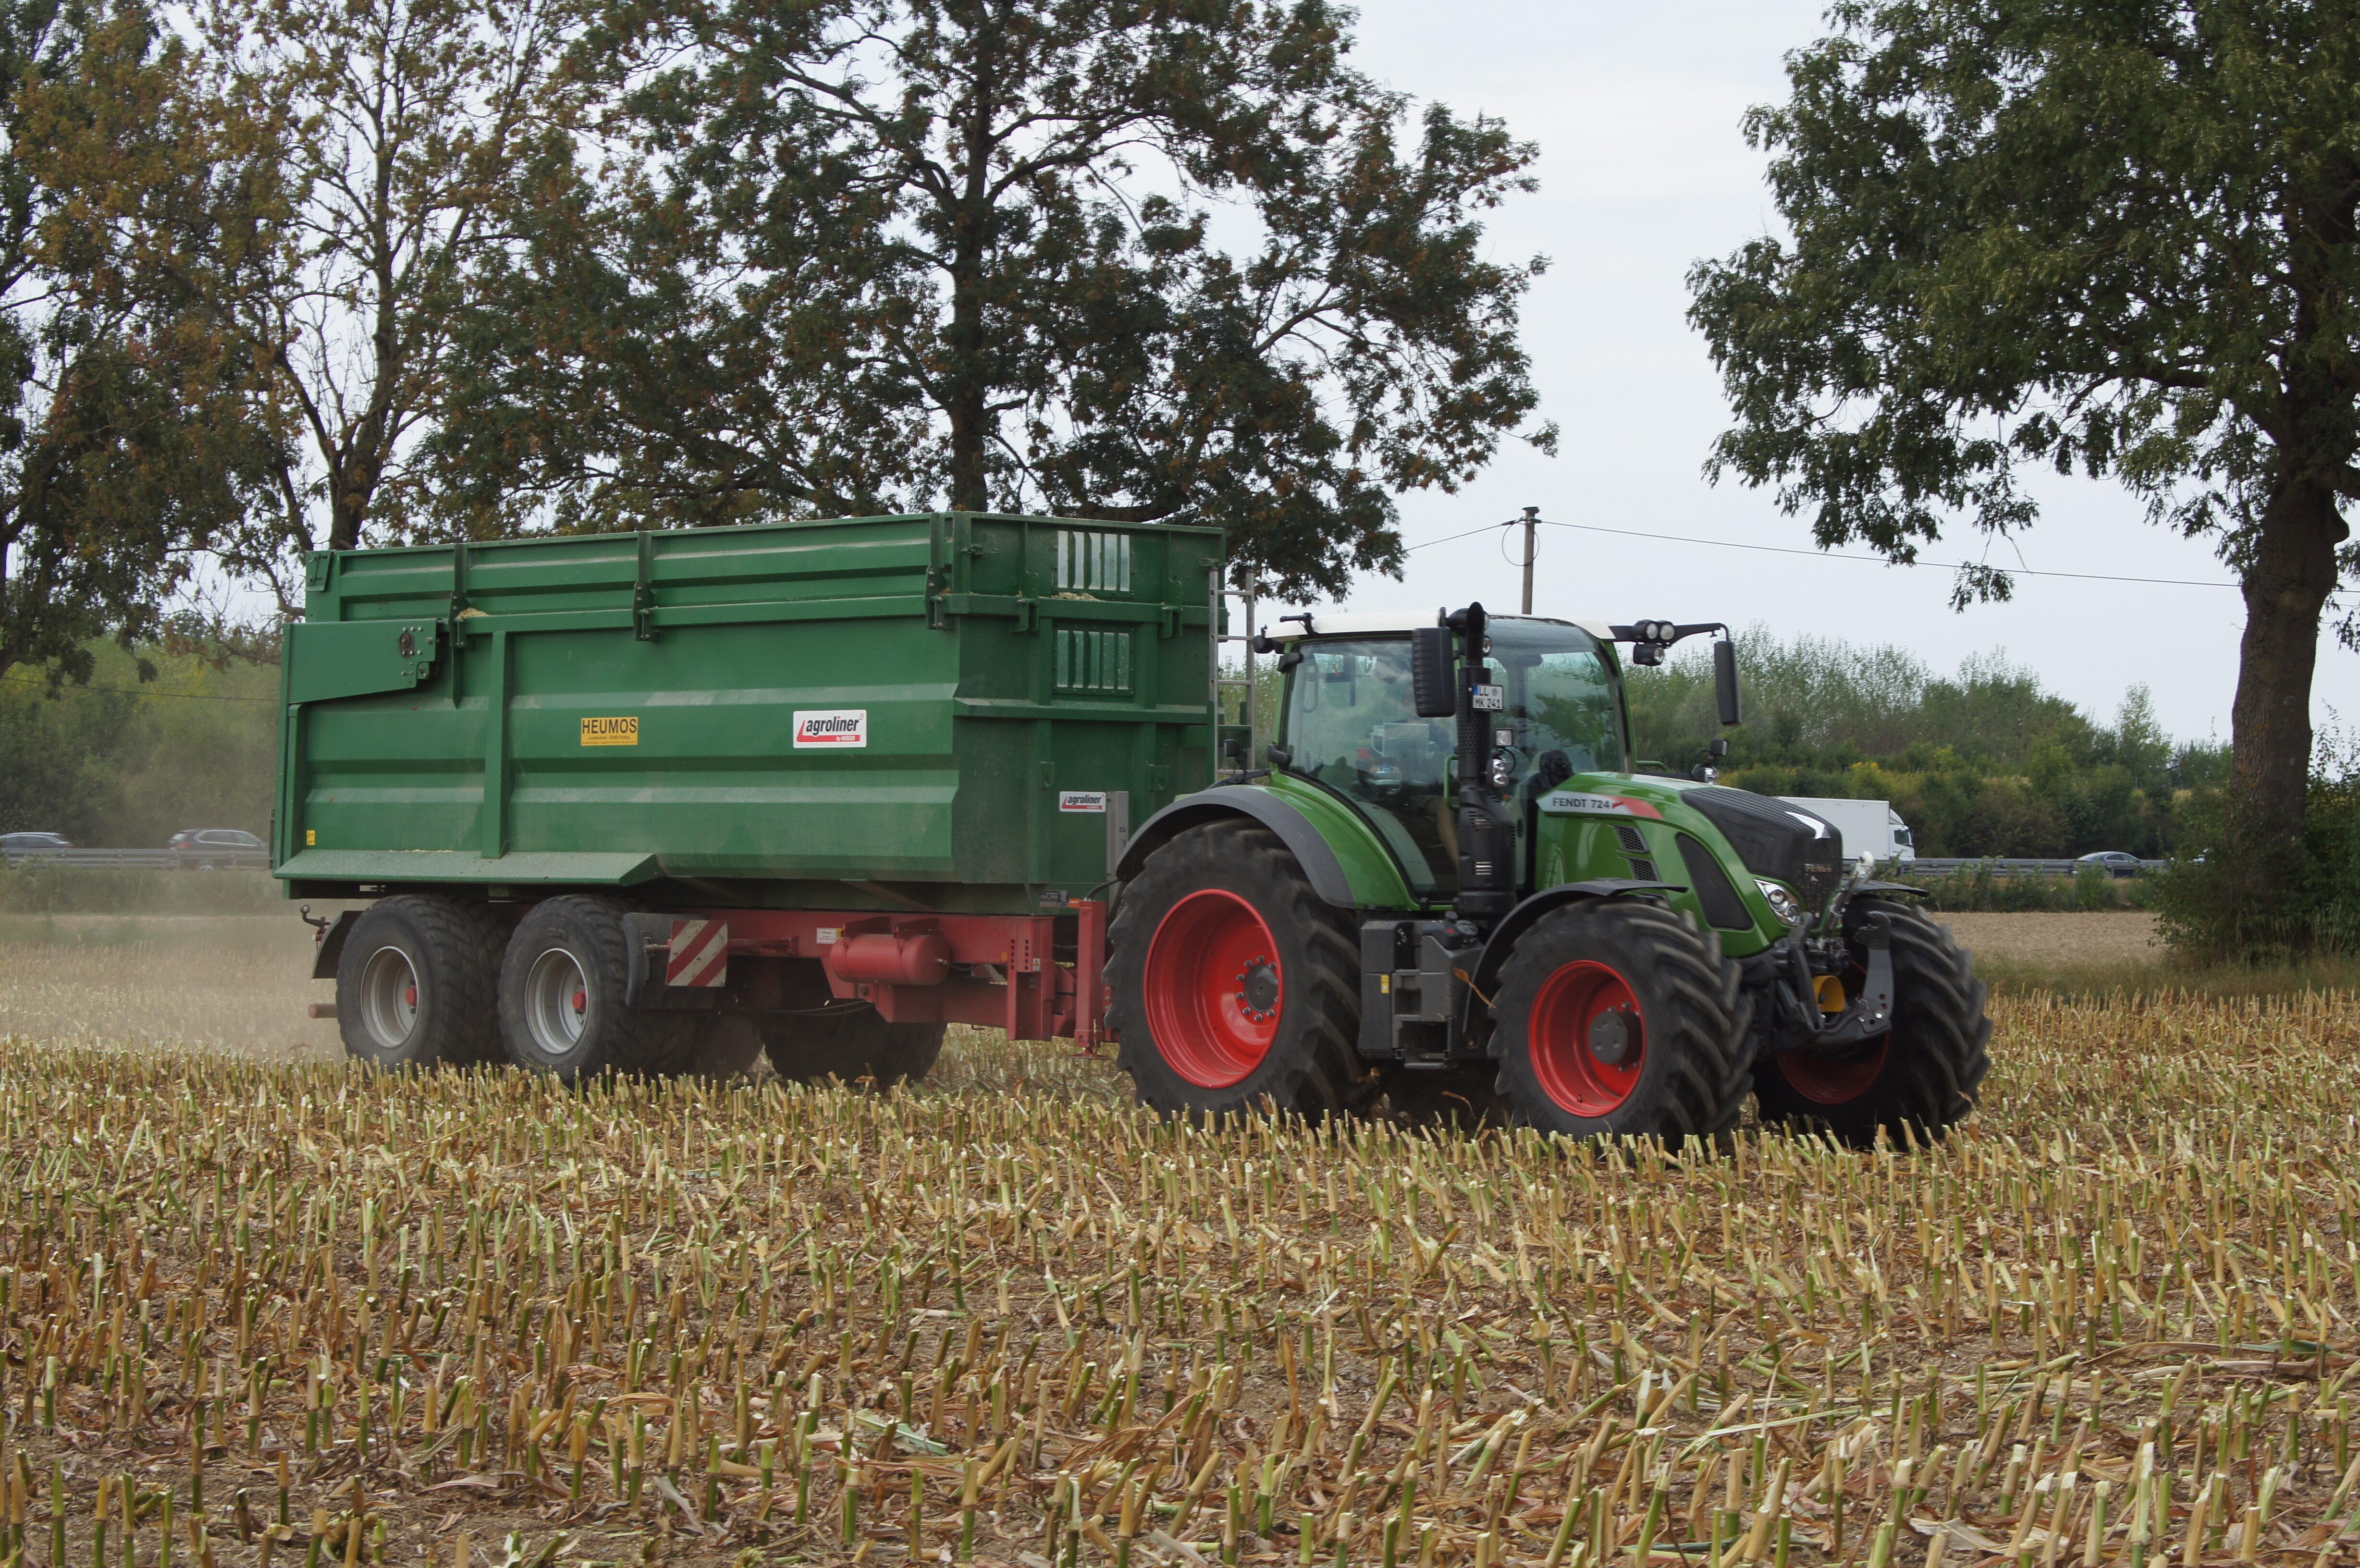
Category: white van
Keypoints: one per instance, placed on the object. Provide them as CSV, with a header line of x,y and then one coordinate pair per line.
x,y
1871,825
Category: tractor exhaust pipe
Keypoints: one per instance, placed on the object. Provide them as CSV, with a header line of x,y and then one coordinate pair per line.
x,y
1487,862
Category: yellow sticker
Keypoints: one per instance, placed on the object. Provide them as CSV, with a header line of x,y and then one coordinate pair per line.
x,y
311,837
611,732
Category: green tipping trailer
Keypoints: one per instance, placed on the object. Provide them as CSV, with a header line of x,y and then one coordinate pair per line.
x,y
956,713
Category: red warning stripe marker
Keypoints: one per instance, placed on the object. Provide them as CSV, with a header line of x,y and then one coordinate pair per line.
x,y
699,954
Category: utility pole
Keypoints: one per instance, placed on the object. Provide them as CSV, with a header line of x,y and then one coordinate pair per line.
x,y
1532,517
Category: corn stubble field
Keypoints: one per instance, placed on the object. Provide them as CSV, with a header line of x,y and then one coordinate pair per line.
x,y
259,1311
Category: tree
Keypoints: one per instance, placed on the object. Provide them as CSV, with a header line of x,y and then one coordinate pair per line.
x,y
2116,237
395,132
1135,259
123,451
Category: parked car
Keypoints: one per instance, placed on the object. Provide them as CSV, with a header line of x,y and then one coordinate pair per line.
x,y
220,849
2116,862
17,846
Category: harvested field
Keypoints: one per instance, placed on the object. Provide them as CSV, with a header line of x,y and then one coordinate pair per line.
x,y
258,1308
2110,937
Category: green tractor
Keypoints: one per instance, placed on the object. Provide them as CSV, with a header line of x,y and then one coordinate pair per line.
x,y
1449,888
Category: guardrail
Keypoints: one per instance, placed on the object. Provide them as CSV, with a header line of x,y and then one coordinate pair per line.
x,y
1930,867
140,859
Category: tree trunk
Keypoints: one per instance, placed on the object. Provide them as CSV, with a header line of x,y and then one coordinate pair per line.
x,y
2286,588
967,395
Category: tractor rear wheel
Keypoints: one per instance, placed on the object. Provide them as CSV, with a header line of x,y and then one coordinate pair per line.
x,y
1234,984
1620,1018
853,1045
414,985
1923,1073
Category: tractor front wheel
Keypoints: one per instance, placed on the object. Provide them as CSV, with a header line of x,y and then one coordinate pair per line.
x,y
1919,1077
1620,1018
1234,984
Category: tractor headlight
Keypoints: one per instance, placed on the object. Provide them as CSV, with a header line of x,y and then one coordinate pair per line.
x,y
1503,768
1783,904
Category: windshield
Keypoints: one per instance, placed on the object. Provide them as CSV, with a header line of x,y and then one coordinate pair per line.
x,y
1351,722
1561,698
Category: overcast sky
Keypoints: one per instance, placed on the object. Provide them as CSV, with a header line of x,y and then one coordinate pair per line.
x,y
1643,171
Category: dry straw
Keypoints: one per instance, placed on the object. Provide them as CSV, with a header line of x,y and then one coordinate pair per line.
x,y
261,1313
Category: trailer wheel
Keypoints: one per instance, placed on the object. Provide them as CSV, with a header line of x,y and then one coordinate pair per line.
x,y
414,985
1621,1018
1234,984
1918,1078
719,1046
561,998
854,1046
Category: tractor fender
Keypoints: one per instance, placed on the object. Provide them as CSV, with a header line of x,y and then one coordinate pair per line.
x,y
1484,974
1304,841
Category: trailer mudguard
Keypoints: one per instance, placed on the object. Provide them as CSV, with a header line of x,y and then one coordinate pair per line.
x,y
1347,865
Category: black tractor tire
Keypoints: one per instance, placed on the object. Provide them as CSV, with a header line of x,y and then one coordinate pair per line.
x,y
415,984
855,1047
718,1046
1234,985
561,995
1618,1017
1923,1076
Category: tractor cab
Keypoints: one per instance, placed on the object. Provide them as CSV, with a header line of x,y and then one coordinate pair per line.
x,y
1349,722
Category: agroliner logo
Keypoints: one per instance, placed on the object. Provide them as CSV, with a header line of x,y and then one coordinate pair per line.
x,y
842,729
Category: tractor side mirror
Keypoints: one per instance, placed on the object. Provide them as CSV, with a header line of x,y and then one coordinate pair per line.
x,y
1724,679
1431,687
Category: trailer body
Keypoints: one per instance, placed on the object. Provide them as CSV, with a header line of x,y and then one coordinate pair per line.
x,y
958,712
761,774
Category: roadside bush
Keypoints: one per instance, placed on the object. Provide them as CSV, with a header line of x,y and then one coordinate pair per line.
x,y
1976,889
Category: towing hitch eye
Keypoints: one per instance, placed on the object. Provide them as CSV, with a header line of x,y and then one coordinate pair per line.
x,y
1871,1012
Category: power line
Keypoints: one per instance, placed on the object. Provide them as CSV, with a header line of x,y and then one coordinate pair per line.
x,y
138,691
1832,555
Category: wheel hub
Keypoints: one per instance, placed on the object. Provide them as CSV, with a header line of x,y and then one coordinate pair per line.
x,y
1610,1035
1586,1036
1258,989
1214,987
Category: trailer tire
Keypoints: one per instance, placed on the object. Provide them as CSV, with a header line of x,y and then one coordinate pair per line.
x,y
1233,985
415,984
1620,1018
719,1046
561,995
858,1045
1923,1076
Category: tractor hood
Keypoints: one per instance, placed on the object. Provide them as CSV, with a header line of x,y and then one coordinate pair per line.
x,y
1774,839
1771,838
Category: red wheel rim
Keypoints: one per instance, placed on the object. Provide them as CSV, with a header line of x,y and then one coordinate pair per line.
x,y
1835,1079
1574,1018
1215,988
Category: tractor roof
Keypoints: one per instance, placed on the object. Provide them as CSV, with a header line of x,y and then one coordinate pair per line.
x,y
1372,623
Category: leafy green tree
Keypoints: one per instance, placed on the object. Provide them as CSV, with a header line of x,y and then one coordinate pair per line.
x,y
390,136
2107,235
1134,259
122,448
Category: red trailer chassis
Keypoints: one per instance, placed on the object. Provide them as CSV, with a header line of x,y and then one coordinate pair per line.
x,y
996,971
